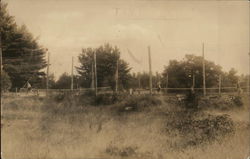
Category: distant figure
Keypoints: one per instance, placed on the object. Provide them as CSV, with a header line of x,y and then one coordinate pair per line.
x,y
159,87
29,87
130,91
138,91
239,90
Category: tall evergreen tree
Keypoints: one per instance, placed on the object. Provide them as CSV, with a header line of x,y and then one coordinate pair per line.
x,y
23,57
5,81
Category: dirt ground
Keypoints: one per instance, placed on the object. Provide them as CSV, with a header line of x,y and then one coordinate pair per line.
x,y
28,132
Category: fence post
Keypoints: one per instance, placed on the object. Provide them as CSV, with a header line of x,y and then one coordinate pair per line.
x,y
72,74
219,84
47,79
167,84
248,79
203,70
95,73
193,80
150,70
116,76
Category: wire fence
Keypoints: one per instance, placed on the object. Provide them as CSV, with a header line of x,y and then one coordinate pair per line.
x,y
108,90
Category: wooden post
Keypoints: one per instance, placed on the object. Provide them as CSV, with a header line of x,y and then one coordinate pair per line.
x,y
1,58
116,76
193,80
248,82
150,70
219,84
92,77
95,74
77,84
139,80
47,79
167,84
204,73
72,74
1,63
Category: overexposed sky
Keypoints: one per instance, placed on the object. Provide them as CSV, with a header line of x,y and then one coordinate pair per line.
x,y
171,28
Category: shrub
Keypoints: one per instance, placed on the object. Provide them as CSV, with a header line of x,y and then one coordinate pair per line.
x,y
108,99
76,101
221,102
5,81
191,100
237,100
105,99
59,97
137,103
89,93
204,129
122,152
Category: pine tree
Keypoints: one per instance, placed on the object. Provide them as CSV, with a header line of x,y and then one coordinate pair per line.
x,y
23,57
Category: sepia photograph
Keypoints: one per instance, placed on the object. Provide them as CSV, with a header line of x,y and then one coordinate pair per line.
x,y
125,79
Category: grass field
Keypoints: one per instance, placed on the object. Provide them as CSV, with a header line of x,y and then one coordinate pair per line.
x,y
133,128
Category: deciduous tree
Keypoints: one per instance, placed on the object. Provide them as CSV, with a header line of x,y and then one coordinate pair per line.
x,y
106,64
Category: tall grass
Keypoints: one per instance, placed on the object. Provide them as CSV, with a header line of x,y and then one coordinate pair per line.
x,y
74,128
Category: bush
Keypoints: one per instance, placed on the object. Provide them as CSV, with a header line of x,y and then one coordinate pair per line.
x,y
108,98
204,129
137,103
59,97
22,103
221,102
89,93
87,99
105,99
122,152
191,100
5,81
237,101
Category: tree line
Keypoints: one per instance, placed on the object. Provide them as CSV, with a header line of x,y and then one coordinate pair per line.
x,y
24,61
177,74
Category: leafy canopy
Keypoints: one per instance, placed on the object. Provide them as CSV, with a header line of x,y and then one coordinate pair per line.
x,y
180,73
106,64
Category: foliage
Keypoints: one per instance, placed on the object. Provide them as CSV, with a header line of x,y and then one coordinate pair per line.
x,y
243,80
191,100
230,78
138,103
122,136
106,59
64,82
202,129
238,101
106,99
43,81
141,80
23,57
225,102
123,152
5,81
180,73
